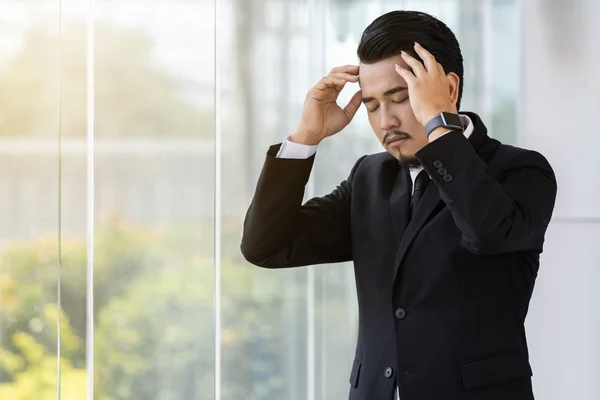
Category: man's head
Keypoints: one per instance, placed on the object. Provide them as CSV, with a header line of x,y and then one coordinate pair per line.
x,y
384,91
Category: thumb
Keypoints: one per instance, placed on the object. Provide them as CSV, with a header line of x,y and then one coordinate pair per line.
x,y
353,105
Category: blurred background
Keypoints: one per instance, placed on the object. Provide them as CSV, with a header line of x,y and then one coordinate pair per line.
x,y
132,134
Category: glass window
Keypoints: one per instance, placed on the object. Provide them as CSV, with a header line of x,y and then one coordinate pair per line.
x,y
133,162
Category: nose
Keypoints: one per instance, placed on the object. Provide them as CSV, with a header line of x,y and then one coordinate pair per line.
x,y
388,121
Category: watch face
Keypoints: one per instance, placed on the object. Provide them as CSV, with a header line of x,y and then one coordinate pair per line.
x,y
452,120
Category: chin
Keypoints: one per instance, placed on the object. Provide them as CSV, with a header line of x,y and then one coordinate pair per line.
x,y
395,153
404,159
409,160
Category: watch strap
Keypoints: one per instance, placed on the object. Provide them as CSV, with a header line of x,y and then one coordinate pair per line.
x,y
446,120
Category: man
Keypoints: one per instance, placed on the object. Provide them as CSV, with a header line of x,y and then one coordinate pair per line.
x,y
445,229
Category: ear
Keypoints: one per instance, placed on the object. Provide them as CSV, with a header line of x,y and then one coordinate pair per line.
x,y
453,85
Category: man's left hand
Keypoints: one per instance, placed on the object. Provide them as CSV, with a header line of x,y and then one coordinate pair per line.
x,y
429,89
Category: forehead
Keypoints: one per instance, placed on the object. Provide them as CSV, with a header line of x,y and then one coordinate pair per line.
x,y
377,78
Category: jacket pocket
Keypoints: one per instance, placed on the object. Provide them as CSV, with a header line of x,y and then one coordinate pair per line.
x,y
494,369
354,373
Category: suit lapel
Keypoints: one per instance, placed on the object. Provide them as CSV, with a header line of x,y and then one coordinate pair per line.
x,y
431,201
429,204
400,201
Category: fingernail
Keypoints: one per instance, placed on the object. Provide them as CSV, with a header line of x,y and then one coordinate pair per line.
x,y
417,43
397,66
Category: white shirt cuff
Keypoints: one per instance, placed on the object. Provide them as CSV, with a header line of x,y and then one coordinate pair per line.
x,y
290,149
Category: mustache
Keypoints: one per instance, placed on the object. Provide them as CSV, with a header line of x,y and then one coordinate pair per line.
x,y
392,134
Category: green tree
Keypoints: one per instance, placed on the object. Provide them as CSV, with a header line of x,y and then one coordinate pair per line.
x,y
29,277
33,369
154,313
157,341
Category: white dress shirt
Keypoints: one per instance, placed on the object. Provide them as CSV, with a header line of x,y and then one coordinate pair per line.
x,y
290,149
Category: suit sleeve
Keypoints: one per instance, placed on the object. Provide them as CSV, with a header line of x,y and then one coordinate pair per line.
x,y
280,232
506,213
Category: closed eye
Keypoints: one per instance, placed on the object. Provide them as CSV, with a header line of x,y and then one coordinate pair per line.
x,y
395,102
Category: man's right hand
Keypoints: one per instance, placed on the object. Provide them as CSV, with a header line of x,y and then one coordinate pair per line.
x,y
322,116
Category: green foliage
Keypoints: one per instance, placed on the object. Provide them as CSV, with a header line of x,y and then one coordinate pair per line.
x,y
29,276
156,341
34,370
154,313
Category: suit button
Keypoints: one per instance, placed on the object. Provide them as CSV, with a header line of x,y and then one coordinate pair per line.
x,y
437,164
442,171
447,177
388,372
400,313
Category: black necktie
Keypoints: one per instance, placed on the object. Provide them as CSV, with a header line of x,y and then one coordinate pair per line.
x,y
420,185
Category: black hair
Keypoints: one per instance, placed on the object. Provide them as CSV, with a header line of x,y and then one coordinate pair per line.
x,y
397,31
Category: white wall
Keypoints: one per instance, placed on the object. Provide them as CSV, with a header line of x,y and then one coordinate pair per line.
x,y
559,107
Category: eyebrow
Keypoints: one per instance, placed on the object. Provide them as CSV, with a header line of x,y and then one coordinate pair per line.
x,y
387,93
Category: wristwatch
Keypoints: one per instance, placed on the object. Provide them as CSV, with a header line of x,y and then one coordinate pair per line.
x,y
446,120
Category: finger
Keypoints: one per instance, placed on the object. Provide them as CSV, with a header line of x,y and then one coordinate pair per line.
x,y
441,69
345,76
353,105
428,59
331,82
349,69
416,65
408,76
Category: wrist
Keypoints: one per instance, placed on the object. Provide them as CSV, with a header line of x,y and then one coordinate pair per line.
x,y
434,112
303,138
441,123
437,133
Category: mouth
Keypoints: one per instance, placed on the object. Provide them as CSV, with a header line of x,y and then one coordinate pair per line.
x,y
396,141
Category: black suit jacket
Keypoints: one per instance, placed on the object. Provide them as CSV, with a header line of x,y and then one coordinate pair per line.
x,y
442,298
